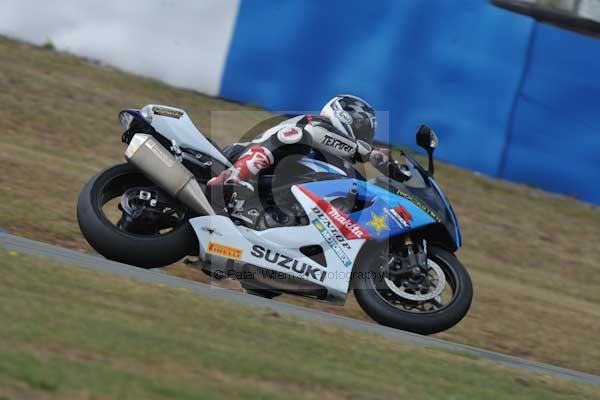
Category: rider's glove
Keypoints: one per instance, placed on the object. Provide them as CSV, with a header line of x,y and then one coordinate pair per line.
x,y
381,158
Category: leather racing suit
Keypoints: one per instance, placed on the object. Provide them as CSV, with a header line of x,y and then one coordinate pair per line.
x,y
300,135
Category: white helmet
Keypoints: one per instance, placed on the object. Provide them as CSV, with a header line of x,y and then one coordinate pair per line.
x,y
352,116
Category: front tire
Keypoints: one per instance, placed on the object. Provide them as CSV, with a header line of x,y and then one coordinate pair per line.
x,y
428,322
114,243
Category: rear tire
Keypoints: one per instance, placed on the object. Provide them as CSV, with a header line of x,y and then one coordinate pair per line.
x,y
145,251
425,323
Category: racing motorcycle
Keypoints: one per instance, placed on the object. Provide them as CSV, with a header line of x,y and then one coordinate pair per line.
x,y
312,228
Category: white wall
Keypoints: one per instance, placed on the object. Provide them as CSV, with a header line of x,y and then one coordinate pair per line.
x,y
590,9
181,42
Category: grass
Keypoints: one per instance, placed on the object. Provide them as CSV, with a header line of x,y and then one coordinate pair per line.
x,y
79,334
533,256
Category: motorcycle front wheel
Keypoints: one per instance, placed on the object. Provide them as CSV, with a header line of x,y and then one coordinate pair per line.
x,y
426,303
126,218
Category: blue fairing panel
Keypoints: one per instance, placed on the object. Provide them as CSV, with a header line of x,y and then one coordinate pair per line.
x,y
388,214
453,223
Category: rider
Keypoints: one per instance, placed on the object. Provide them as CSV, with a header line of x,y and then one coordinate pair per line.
x,y
345,130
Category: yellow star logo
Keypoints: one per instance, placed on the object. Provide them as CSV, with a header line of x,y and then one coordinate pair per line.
x,y
379,223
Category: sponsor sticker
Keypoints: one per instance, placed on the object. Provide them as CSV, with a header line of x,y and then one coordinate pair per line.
x,y
419,204
167,112
348,228
344,116
210,231
224,250
290,263
332,236
400,216
379,223
337,144
164,158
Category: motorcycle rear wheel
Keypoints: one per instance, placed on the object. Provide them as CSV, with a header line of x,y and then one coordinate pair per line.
x,y
115,242
383,308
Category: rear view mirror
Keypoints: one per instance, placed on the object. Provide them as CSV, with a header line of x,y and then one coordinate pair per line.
x,y
427,139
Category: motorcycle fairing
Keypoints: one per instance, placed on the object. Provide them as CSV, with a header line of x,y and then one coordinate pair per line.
x,y
386,214
340,236
452,223
321,166
175,124
278,250
339,250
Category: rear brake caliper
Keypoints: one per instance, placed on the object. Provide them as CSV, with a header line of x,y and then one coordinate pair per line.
x,y
147,211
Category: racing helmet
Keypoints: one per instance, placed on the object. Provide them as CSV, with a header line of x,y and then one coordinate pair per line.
x,y
352,116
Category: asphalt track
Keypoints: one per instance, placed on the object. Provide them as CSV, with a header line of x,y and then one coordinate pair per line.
x,y
100,264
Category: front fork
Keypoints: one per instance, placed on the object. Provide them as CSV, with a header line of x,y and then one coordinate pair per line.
x,y
409,261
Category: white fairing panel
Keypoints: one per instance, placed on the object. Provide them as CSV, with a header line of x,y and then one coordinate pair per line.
x,y
175,124
278,249
321,166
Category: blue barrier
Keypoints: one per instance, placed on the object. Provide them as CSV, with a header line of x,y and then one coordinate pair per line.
x,y
478,74
555,137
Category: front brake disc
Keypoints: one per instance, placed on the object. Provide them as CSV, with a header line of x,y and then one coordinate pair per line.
x,y
402,292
